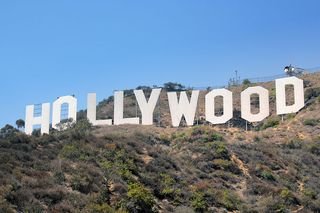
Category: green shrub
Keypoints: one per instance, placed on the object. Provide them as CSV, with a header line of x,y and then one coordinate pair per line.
x,y
310,193
202,134
179,137
230,200
216,137
271,122
70,151
81,183
198,201
80,130
165,139
276,205
169,187
140,197
287,196
226,165
315,148
102,208
311,122
267,175
290,116
104,195
256,138
294,144
221,150
59,177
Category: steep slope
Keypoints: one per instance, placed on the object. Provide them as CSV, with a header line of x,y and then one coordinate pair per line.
x,y
143,170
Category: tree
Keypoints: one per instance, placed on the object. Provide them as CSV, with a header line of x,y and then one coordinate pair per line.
x,y
246,82
20,123
170,87
7,130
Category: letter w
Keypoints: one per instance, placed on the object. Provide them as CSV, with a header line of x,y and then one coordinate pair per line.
x,y
183,107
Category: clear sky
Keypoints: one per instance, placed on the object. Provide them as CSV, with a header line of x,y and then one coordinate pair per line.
x,y
56,48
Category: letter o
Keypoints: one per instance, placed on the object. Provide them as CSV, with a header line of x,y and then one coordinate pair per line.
x,y
263,104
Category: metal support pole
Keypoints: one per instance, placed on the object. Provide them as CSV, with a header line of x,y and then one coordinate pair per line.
x,y
197,119
136,108
159,118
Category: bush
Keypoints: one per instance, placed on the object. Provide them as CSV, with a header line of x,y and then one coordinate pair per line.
x,y
81,129
50,196
224,164
81,183
59,177
7,131
267,175
315,148
310,193
169,187
288,197
229,200
271,122
140,198
198,201
203,135
221,150
311,122
102,208
294,144
71,151
216,137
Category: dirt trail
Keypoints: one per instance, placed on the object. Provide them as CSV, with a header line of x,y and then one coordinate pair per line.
x,y
240,165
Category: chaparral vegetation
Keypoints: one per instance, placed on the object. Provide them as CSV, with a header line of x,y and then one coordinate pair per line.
x,y
272,167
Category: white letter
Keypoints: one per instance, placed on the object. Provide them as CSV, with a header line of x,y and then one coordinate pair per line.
x,y
183,107
92,111
263,104
118,111
227,106
297,84
147,107
43,120
56,111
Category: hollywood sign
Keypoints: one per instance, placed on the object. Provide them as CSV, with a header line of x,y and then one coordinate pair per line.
x,y
179,107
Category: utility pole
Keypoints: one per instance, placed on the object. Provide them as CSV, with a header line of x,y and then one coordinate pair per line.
x,y
236,76
237,81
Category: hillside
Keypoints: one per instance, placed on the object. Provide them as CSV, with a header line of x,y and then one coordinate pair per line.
x,y
273,167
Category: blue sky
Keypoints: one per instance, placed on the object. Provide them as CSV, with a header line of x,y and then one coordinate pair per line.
x,y
56,48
